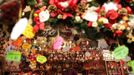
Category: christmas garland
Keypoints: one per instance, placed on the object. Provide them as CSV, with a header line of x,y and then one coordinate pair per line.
x,y
111,16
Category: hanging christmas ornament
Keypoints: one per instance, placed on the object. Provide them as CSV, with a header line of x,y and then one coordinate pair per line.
x,y
120,52
19,28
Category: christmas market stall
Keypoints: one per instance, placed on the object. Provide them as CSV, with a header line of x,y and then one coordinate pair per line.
x,y
67,37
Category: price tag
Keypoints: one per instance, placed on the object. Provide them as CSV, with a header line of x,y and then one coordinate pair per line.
x,y
41,59
13,56
120,52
